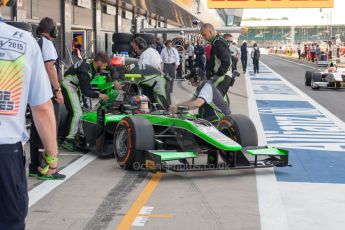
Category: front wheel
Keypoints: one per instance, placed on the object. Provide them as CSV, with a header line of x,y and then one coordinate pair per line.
x,y
316,77
133,136
240,129
308,76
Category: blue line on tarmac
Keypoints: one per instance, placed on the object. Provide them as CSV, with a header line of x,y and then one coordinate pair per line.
x,y
311,137
316,143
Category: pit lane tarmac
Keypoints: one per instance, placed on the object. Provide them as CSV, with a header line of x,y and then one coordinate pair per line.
x,y
100,195
309,195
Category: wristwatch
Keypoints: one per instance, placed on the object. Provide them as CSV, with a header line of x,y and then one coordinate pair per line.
x,y
57,90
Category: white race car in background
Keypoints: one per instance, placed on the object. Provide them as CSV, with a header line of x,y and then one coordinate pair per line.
x,y
325,79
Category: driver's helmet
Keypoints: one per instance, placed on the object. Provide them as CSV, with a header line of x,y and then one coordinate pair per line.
x,y
332,68
141,102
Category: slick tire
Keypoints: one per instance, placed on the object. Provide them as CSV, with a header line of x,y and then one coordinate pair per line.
x,y
133,135
122,38
21,25
308,76
316,77
239,128
118,48
148,37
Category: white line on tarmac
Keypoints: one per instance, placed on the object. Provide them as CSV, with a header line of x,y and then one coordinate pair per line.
x,y
71,154
140,221
323,110
46,187
309,67
267,97
270,197
272,212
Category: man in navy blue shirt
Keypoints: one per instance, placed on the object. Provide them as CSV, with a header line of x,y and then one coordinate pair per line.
x,y
244,56
199,51
159,45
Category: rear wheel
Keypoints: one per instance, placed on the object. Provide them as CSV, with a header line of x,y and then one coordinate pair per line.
x,y
21,25
133,136
308,76
148,37
240,129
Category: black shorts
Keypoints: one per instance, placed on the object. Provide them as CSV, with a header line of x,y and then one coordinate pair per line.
x,y
13,187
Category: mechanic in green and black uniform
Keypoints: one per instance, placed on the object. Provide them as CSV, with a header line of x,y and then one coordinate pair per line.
x,y
207,98
77,79
152,81
220,63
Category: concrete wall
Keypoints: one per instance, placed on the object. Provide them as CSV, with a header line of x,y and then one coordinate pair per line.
x,y
42,8
96,24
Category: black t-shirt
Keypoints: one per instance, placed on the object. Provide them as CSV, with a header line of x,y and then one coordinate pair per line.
x,y
85,72
220,52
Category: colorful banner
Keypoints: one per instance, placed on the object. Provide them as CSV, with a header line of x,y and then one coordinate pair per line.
x,y
8,2
238,4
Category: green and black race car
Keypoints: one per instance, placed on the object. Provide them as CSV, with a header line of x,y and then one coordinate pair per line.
x,y
155,139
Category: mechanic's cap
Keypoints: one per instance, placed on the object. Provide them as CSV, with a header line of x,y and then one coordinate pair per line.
x,y
196,73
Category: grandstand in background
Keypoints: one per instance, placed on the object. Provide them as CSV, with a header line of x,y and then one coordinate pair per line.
x,y
270,33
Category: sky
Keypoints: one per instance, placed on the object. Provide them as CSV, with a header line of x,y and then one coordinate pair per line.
x,y
300,16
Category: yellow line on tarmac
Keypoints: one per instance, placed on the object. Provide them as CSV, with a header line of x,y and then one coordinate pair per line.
x,y
127,221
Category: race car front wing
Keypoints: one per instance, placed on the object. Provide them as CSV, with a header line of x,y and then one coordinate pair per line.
x,y
247,158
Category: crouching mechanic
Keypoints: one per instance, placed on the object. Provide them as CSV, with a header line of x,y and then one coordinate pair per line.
x,y
207,98
77,79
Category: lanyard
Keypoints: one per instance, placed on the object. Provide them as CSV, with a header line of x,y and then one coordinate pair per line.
x,y
169,52
170,55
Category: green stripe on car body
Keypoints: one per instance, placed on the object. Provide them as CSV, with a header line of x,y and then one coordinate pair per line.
x,y
268,151
175,122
